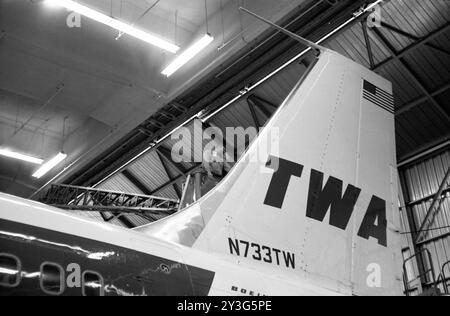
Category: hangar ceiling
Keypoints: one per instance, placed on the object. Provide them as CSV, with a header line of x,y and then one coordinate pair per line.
x,y
80,90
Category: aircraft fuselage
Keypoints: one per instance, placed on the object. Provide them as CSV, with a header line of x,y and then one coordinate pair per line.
x,y
55,263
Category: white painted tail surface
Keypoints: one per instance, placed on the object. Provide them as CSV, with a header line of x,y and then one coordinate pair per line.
x,y
330,208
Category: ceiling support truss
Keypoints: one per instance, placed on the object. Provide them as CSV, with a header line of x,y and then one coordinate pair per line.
x,y
368,44
262,105
414,37
408,50
398,56
408,106
136,182
254,102
166,160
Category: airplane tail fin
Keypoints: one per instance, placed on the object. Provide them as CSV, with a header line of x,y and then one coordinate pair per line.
x,y
324,202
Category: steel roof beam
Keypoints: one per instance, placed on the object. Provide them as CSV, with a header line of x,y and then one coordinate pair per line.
x,y
409,106
413,37
257,98
166,155
428,197
251,106
433,239
368,44
410,73
134,180
177,179
432,148
163,158
415,46
259,104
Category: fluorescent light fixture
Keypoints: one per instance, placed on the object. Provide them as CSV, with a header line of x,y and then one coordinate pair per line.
x,y
14,155
115,24
49,165
187,55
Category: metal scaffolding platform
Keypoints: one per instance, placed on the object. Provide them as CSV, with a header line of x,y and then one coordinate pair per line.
x,y
89,199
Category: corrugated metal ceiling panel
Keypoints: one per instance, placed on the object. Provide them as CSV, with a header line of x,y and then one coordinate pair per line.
x,y
405,89
444,100
167,146
418,127
442,41
431,67
236,115
120,183
352,44
277,88
416,17
150,171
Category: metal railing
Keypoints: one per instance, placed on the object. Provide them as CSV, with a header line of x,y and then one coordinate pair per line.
x,y
445,278
427,278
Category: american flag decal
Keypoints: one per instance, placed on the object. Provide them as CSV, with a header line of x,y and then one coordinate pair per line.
x,y
378,97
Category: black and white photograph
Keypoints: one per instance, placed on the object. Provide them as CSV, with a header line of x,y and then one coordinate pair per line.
x,y
241,150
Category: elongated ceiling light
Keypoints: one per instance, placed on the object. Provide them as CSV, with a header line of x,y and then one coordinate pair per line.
x,y
115,24
52,163
188,54
14,155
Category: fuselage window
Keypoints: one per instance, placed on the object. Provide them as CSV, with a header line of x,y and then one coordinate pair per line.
x,y
52,278
10,270
93,284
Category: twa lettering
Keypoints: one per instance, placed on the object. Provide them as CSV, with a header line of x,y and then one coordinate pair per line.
x,y
328,197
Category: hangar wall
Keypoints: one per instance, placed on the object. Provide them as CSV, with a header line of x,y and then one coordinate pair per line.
x,y
420,183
